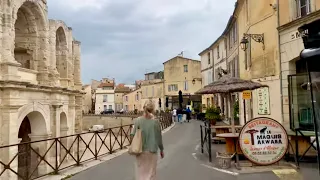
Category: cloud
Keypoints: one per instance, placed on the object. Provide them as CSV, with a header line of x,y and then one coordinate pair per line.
x,y
125,38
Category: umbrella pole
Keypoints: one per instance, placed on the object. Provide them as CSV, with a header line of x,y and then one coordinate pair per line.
x,y
231,113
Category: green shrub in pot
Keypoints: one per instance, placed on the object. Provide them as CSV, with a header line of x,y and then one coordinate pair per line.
x,y
213,115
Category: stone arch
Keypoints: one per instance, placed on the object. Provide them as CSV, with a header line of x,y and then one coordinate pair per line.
x,y
62,52
35,111
30,35
63,124
32,124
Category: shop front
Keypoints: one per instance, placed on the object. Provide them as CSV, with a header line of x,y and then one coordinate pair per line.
x,y
300,67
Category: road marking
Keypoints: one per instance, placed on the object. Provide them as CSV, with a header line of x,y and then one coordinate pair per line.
x,y
221,170
194,156
197,147
287,174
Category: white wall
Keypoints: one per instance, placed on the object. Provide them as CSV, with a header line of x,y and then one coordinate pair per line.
x,y
99,106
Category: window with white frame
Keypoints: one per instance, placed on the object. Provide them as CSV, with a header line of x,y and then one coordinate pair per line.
x,y
110,106
105,98
173,87
303,7
185,85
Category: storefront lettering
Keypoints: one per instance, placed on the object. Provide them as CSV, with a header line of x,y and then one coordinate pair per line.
x,y
297,34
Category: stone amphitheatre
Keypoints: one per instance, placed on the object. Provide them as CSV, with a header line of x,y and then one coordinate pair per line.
x,y
40,79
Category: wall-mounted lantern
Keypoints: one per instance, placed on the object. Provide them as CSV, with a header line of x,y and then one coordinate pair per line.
x,y
256,37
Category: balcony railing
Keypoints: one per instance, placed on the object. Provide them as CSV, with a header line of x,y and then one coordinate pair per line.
x,y
31,160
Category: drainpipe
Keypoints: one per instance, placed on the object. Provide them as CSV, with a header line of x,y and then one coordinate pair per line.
x,y
280,66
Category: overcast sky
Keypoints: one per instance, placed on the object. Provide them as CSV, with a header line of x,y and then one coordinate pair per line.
x,y
123,39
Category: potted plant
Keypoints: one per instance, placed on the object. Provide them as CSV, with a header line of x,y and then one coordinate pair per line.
x,y
213,115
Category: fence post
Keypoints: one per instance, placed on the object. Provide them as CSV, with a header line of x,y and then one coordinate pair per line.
x,y
78,150
209,144
110,148
121,140
95,145
201,132
56,167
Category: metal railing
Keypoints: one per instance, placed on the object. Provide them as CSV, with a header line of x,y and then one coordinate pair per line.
x,y
31,160
205,132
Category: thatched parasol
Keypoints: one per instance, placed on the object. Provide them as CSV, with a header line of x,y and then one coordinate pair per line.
x,y
229,85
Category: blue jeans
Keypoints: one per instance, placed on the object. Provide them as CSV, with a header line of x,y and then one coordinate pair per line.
x,y
179,117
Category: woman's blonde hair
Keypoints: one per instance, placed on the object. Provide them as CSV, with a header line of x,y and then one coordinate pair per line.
x,y
149,107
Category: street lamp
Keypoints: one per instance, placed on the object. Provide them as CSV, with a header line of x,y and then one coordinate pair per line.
x,y
256,37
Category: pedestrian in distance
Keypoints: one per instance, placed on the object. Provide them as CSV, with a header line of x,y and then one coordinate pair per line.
x,y
149,126
174,115
179,111
188,114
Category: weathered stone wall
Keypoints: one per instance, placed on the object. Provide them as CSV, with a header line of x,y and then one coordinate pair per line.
x,y
106,120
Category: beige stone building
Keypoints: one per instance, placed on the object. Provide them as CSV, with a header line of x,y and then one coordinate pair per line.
x,y
152,88
40,79
182,74
256,25
132,101
120,90
295,101
87,99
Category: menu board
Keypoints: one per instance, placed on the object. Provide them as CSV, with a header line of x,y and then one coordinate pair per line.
x,y
263,101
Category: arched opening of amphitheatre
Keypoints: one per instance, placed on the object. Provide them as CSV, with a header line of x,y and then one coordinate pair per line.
x,y
61,53
63,132
32,124
28,28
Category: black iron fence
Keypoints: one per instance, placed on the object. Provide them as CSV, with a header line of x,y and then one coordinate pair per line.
x,y
205,132
31,160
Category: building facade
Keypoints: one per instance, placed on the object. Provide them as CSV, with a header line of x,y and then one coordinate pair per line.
x,y
207,75
87,99
259,58
295,100
153,90
132,101
120,90
182,74
105,96
40,79
213,64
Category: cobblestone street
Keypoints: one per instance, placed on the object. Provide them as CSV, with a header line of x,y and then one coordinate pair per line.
x,y
179,162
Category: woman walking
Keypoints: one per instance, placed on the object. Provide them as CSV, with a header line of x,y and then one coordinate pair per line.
x,y
146,162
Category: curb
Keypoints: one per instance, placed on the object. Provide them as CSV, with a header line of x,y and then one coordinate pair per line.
x,y
68,173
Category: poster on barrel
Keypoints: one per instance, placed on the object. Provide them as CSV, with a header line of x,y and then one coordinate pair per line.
x,y
263,141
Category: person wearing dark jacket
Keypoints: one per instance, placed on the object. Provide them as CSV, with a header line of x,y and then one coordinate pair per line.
x,y
188,114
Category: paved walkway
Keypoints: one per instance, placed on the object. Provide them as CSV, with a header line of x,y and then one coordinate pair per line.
x,y
179,162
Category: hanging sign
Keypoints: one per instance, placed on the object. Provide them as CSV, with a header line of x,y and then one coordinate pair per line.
x,y
246,95
264,141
